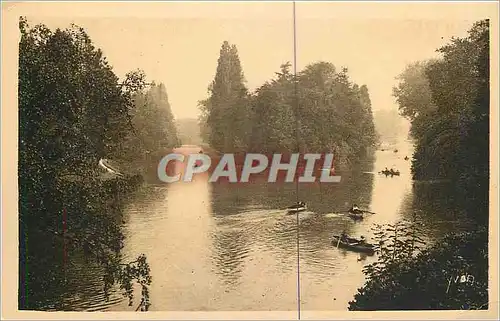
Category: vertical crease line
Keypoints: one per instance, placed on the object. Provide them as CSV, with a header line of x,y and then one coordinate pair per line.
x,y
298,150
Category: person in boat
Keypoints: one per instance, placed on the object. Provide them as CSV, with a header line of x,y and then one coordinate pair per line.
x,y
298,204
343,236
355,210
362,240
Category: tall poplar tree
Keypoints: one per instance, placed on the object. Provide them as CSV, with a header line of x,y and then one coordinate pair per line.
x,y
226,109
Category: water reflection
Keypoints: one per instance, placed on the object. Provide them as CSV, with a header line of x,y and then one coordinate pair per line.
x,y
173,229
62,279
436,206
250,218
75,286
222,246
210,247
330,276
231,248
84,288
254,243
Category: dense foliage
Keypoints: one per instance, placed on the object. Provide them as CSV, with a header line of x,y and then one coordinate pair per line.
x,y
452,274
73,111
447,101
188,130
225,111
318,110
154,129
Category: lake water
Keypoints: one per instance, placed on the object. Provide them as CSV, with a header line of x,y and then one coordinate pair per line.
x,y
219,246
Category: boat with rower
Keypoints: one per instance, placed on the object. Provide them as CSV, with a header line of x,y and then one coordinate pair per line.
x,y
390,172
355,213
297,208
353,244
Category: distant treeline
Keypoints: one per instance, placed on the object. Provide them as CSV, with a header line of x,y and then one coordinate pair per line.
x,y
73,110
389,125
319,111
154,129
188,130
447,101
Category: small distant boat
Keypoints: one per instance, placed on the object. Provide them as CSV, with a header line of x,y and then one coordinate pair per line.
x,y
356,213
296,210
299,207
353,245
389,172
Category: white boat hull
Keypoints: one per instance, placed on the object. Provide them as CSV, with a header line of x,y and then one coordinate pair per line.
x,y
296,210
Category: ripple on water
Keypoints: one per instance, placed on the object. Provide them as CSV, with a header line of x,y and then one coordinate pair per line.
x,y
85,290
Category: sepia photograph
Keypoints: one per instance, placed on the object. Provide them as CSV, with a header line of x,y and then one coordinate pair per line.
x,y
314,159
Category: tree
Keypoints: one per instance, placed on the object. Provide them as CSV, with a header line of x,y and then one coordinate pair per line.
x,y
447,101
226,110
154,124
414,96
72,112
335,113
319,110
367,121
274,122
460,86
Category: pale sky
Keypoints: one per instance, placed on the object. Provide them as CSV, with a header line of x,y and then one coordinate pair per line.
x,y
178,44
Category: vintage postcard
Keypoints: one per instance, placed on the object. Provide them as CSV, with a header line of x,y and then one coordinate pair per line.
x,y
250,160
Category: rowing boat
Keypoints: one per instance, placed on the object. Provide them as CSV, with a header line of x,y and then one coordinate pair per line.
x,y
293,210
353,245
